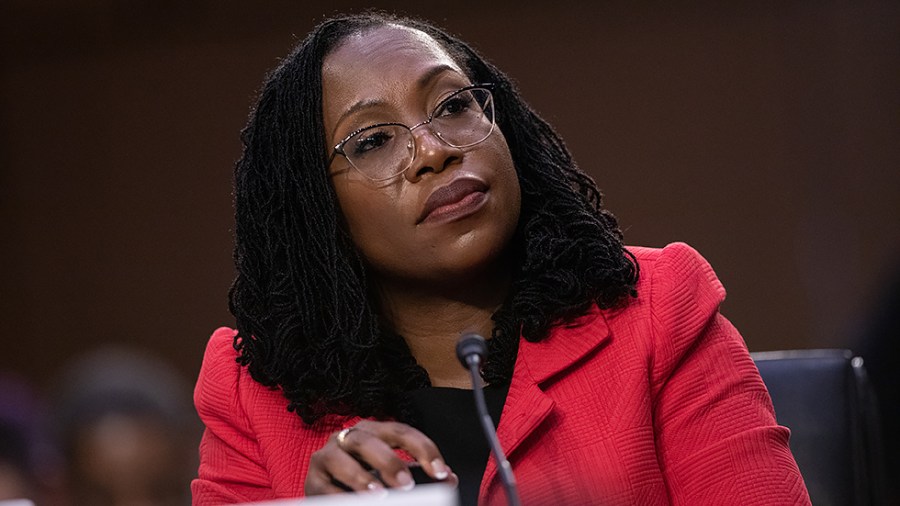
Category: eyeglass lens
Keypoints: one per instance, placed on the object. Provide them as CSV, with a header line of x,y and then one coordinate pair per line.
x,y
383,151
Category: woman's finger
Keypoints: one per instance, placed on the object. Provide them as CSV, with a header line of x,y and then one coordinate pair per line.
x,y
411,440
369,448
348,471
320,483
331,470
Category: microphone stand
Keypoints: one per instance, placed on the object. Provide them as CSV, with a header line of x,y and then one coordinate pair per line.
x,y
470,350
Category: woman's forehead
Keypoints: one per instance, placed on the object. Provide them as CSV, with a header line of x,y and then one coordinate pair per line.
x,y
379,69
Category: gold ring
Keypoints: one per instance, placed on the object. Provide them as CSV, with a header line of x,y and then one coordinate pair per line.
x,y
342,437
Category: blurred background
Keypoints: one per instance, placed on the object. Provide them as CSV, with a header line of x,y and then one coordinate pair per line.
x,y
764,134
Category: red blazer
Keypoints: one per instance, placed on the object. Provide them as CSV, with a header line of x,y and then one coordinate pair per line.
x,y
654,403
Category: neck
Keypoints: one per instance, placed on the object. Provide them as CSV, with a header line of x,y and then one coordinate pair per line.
x,y
432,321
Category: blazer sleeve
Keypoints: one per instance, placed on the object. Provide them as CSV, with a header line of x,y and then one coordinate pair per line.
x,y
231,466
717,438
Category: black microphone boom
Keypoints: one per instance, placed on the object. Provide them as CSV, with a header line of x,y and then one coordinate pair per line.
x,y
471,351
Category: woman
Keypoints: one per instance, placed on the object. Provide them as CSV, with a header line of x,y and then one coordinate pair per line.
x,y
395,192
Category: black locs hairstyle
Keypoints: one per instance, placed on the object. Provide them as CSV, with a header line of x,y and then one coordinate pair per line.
x,y
305,321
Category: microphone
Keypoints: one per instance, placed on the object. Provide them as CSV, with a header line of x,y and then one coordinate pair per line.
x,y
471,351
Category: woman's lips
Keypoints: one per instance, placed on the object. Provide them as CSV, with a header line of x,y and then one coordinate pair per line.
x,y
460,198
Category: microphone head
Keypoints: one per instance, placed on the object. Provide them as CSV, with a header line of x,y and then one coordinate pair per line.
x,y
471,346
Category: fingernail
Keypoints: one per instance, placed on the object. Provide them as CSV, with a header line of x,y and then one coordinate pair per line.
x,y
440,470
377,489
405,480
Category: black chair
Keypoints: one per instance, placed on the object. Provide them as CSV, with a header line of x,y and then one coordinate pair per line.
x,y
823,396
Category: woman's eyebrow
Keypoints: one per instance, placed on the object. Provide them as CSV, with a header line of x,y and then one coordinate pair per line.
x,y
432,73
362,104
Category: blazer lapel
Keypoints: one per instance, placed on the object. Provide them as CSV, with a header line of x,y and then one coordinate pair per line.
x,y
527,406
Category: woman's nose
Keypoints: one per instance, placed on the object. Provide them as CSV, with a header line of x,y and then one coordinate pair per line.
x,y
430,153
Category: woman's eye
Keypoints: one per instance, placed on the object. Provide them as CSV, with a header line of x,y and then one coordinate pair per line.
x,y
455,105
368,141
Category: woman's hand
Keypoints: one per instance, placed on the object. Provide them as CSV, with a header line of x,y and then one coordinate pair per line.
x,y
362,458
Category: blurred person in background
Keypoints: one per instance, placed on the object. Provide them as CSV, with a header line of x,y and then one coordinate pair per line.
x,y
127,430
879,345
29,466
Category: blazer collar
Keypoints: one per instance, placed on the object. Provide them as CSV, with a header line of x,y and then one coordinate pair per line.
x,y
565,345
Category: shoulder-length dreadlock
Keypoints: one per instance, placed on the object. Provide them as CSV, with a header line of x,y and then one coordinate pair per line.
x,y
305,321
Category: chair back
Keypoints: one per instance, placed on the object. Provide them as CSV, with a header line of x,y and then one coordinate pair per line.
x,y
824,397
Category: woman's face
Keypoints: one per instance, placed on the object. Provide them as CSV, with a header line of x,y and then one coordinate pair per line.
x,y
395,74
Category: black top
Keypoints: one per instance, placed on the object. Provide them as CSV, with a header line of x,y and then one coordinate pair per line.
x,y
448,416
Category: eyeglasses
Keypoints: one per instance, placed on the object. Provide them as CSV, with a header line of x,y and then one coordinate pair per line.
x,y
385,150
